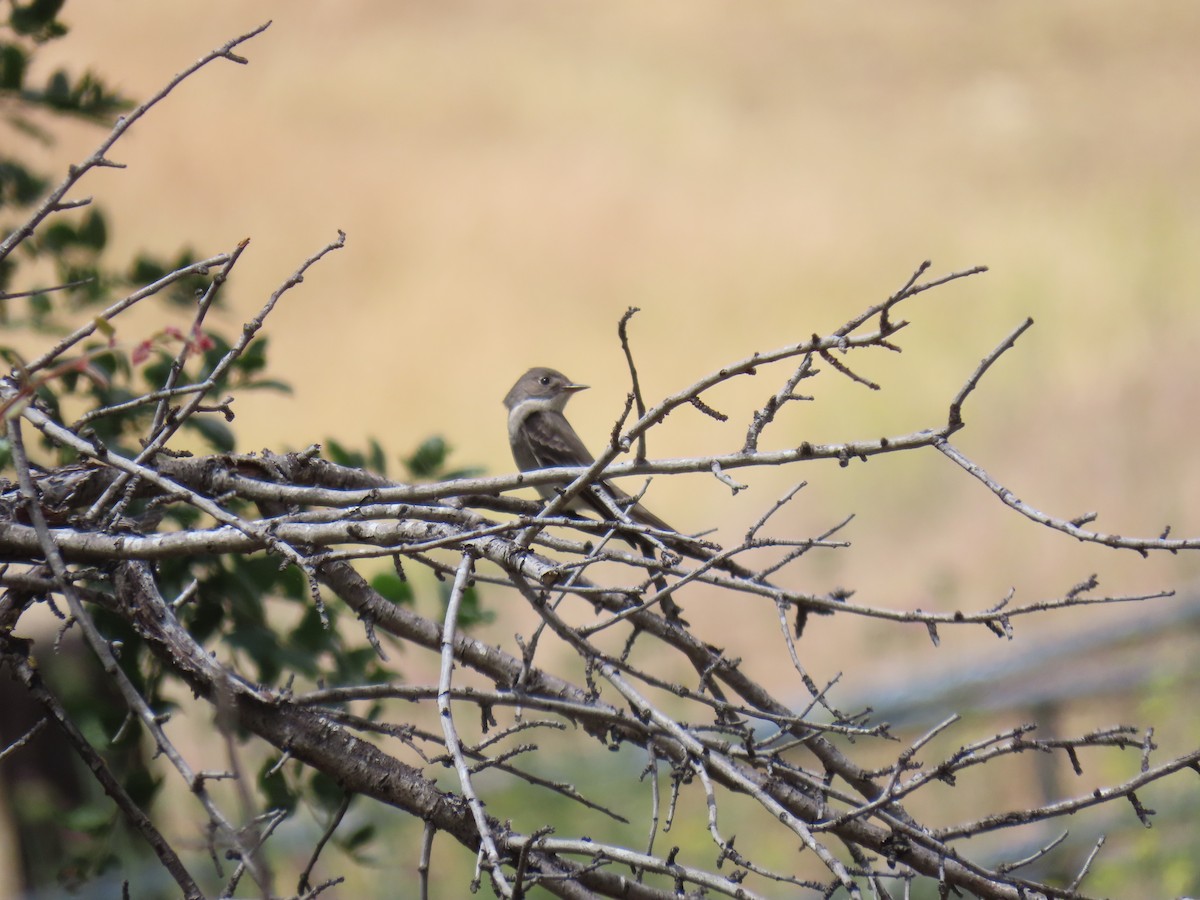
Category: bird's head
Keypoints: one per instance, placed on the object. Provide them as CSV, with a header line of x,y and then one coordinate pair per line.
x,y
547,388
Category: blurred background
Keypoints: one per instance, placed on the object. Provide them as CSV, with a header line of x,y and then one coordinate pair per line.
x,y
512,177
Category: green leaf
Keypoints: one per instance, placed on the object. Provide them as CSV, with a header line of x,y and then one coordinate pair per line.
x,y
92,282
311,637
357,666
377,459
58,90
260,573
343,456
112,362
214,354
87,97
93,232
12,356
253,358
429,461
146,270
276,792
92,99
37,20
156,371
429,458
260,644
470,612
373,460
13,61
293,584
104,326
215,431
57,236
204,616
358,838
142,785
183,515
40,305
183,292
90,818
392,587
325,791
30,128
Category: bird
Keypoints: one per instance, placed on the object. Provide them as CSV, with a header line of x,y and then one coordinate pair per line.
x,y
541,438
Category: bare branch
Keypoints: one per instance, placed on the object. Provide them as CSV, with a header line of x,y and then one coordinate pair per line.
x,y
453,745
1142,545
54,201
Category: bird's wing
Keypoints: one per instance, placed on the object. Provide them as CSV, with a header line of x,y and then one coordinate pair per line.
x,y
549,440
553,442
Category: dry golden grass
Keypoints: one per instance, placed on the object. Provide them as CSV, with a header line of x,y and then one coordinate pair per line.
x,y
513,176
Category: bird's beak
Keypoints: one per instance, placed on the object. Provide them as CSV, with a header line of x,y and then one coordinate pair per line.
x,y
574,388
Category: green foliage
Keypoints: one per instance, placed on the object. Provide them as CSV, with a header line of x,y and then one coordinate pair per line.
x,y
98,839
428,462
392,587
18,186
234,604
325,791
470,610
429,458
38,20
273,786
372,459
241,603
183,292
71,242
23,105
86,95
358,838
12,67
121,390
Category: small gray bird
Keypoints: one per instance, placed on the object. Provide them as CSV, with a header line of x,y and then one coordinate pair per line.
x,y
542,438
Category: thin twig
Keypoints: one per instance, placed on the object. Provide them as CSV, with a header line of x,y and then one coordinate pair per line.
x,y
99,158
634,385
487,843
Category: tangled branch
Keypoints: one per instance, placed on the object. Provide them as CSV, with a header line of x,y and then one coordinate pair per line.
x,y
141,534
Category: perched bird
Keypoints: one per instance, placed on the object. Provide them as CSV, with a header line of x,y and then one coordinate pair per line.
x,y
542,438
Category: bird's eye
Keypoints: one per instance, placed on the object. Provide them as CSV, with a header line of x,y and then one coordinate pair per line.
x,y
544,380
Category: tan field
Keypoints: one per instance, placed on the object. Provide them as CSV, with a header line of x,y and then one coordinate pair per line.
x,y
512,177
